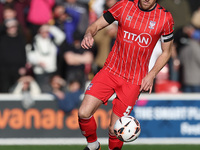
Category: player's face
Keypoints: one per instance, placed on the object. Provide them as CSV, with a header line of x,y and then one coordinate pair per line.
x,y
147,4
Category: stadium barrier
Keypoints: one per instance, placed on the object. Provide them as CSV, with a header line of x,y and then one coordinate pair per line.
x,y
164,119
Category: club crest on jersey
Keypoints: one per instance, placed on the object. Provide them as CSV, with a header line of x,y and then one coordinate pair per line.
x,y
152,24
128,17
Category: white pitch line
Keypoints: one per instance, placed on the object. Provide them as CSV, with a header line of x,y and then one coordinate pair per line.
x,y
103,141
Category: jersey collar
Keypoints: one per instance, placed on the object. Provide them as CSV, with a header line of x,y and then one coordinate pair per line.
x,y
146,10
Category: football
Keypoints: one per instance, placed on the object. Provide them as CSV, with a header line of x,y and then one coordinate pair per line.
x,y
127,128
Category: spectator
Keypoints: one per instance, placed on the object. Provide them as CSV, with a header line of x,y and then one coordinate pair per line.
x,y
19,6
27,87
15,9
68,97
60,16
43,54
77,61
40,12
190,56
67,21
193,30
12,54
8,14
73,6
190,61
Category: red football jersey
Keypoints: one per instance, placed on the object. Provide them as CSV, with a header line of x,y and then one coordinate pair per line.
x,y
138,33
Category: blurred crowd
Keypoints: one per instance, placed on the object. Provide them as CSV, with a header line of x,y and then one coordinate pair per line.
x,y
40,48
182,72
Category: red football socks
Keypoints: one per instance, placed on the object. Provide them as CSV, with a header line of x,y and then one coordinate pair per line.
x,y
88,128
115,143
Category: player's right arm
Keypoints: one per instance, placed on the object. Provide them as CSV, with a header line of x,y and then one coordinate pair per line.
x,y
107,18
92,30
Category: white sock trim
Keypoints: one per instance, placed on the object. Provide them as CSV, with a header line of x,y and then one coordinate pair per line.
x,y
93,145
87,118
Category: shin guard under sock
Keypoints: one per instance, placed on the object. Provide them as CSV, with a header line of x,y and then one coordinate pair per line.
x,y
88,128
114,143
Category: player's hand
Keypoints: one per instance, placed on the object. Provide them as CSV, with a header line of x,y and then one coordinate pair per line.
x,y
87,41
147,83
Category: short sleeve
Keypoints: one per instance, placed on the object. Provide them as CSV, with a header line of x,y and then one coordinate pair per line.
x,y
116,9
167,34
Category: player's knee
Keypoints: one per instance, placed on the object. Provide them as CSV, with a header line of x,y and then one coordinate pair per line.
x,y
83,113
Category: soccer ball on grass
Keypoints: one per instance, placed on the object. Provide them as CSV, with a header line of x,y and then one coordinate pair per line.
x,y
127,128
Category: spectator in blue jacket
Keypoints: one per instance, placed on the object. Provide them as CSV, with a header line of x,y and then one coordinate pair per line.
x,y
67,20
67,96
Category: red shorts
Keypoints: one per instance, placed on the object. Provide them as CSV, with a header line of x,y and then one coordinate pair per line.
x,y
105,84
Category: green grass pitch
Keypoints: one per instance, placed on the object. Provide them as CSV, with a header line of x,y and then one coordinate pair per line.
x,y
103,147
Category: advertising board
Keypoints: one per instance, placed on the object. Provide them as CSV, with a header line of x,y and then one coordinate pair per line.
x,y
160,116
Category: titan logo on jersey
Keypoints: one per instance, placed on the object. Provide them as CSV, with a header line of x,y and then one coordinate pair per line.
x,y
143,39
152,24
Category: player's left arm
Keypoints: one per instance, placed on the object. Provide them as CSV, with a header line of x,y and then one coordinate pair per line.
x,y
147,82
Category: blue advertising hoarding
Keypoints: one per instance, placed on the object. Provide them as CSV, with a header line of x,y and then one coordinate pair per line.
x,y
168,117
